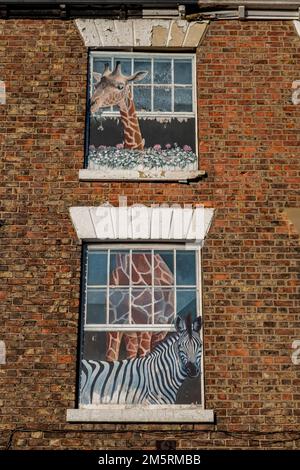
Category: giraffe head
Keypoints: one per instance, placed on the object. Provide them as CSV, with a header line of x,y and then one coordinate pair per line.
x,y
112,88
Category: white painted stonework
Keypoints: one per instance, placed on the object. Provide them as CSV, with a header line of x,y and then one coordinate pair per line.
x,y
140,413
2,352
297,26
105,33
2,92
138,222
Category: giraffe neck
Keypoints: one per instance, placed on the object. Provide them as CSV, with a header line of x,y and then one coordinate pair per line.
x,y
132,132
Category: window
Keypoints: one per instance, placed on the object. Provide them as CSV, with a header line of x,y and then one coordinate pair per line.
x,y
133,298
142,112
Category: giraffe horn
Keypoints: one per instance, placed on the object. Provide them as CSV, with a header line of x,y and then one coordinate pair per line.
x,y
106,70
117,70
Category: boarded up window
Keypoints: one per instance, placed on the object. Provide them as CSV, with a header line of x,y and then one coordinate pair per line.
x,y
142,112
141,326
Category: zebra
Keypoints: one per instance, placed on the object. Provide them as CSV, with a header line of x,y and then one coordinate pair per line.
x,y
153,379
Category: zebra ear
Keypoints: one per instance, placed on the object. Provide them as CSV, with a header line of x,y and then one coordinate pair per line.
x,y
197,324
179,325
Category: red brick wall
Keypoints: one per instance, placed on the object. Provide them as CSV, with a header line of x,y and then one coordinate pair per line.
x,y
249,140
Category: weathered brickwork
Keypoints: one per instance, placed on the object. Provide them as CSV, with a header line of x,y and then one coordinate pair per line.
x,y
249,141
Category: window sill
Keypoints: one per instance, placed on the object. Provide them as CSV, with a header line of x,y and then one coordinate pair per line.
x,y
142,414
141,175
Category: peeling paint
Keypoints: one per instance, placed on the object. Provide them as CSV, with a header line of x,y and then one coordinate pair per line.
x,y
194,34
140,33
177,33
159,36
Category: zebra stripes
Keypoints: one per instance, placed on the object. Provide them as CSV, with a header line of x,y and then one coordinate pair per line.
x,y
153,379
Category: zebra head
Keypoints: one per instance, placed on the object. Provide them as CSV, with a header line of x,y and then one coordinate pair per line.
x,y
189,345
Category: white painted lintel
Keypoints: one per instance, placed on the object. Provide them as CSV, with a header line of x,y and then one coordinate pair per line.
x,y
297,26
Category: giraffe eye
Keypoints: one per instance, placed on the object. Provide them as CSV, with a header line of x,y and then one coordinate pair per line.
x,y
120,86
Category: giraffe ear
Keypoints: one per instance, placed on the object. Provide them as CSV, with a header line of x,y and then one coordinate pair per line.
x,y
137,77
97,77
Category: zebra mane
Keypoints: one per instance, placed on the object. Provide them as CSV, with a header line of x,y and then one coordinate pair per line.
x,y
171,338
189,325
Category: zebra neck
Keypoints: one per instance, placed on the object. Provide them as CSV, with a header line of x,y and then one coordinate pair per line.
x,y
167,375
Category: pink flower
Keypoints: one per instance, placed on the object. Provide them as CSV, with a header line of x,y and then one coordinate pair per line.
x,y
120,146
157,147
187,148
168,146
102,147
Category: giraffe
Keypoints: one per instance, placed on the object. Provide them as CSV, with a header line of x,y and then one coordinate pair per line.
x,y
139,343
113,89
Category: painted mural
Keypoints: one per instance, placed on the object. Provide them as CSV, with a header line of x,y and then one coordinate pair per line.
x,y
133,300
142,112
153,379
139,343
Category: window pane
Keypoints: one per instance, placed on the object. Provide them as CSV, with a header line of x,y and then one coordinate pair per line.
x,y
94,345
186,302
183,71
141,306
96,306
141,268
97,268
118,306
183,99
186,268
162,71
142,98
119,268
99,64
125,65
143,65
164,306
162,99
163,268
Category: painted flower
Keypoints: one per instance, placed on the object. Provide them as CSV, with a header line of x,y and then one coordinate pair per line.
x,y
157,147
102,147
168,146
120,146
187,148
